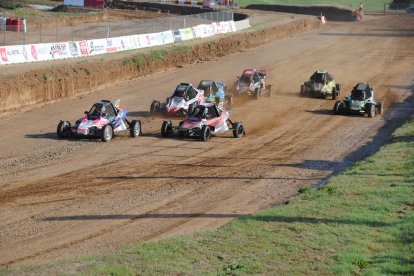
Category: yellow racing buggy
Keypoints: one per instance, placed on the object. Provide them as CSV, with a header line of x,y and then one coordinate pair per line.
x,y
321,84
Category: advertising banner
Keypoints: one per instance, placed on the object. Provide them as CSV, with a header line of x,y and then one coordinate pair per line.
x,y
177,36
50,51
221,27
96,47
17,54
186,34
203,30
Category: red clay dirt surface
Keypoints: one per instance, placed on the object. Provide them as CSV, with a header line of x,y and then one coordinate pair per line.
x,y
66,198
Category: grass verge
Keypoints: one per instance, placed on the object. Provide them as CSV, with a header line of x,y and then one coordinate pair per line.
x,y
360,222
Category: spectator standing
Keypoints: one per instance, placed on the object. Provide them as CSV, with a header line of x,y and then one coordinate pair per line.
x,y
360,11
356,15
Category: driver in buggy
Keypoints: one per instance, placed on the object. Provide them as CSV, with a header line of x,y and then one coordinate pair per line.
x,y
202,112
215,97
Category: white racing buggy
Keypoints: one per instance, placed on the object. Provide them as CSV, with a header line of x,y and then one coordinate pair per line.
x,y
252,83
205,121
182,101
103,120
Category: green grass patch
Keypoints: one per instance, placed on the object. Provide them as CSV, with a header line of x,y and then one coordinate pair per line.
x,y
360,222
142,59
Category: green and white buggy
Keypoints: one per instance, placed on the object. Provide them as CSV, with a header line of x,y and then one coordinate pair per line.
x,y
360,102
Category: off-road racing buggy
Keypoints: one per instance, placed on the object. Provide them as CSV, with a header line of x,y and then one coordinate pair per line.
x,y
214,92
103,120
252,83
205,121
321,84
360,102
182,101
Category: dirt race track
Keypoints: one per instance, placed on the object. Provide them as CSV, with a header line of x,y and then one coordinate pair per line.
x,y
63,198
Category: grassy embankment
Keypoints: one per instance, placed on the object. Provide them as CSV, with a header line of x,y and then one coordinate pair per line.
x,y
360,222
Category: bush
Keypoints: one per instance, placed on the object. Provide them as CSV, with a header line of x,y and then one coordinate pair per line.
x,y
9,5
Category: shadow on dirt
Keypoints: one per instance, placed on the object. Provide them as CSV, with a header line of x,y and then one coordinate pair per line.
x,y
370,34
322,165
185,165
49,135
128,177
321,112
139,114
317,220
142,216
53,136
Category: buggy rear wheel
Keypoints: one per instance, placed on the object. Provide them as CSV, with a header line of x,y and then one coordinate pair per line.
x,y
380,107
238,130
370,109
258,93
107,133
155,107
135,128
302,90
269,91
338,108
205,133
334,94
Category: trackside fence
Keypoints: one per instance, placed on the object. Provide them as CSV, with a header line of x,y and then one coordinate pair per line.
x,y
108,29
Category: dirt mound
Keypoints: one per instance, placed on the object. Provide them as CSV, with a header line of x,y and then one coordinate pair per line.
x,y
330,13
54,83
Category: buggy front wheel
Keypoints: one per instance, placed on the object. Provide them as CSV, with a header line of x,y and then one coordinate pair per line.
x,y
238,130
107,133
60,130
135,128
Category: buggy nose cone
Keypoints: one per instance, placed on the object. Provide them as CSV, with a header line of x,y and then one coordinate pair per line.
x,y
83,131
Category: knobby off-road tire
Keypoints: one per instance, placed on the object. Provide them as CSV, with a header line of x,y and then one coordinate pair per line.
x,y
302,91
107,133
238,130
380,107
334,94
258,93
338,108
61,128
135,128
370,110
155,107
270,91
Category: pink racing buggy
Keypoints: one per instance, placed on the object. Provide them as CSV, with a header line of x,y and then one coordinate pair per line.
x,y
206,120
103,120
